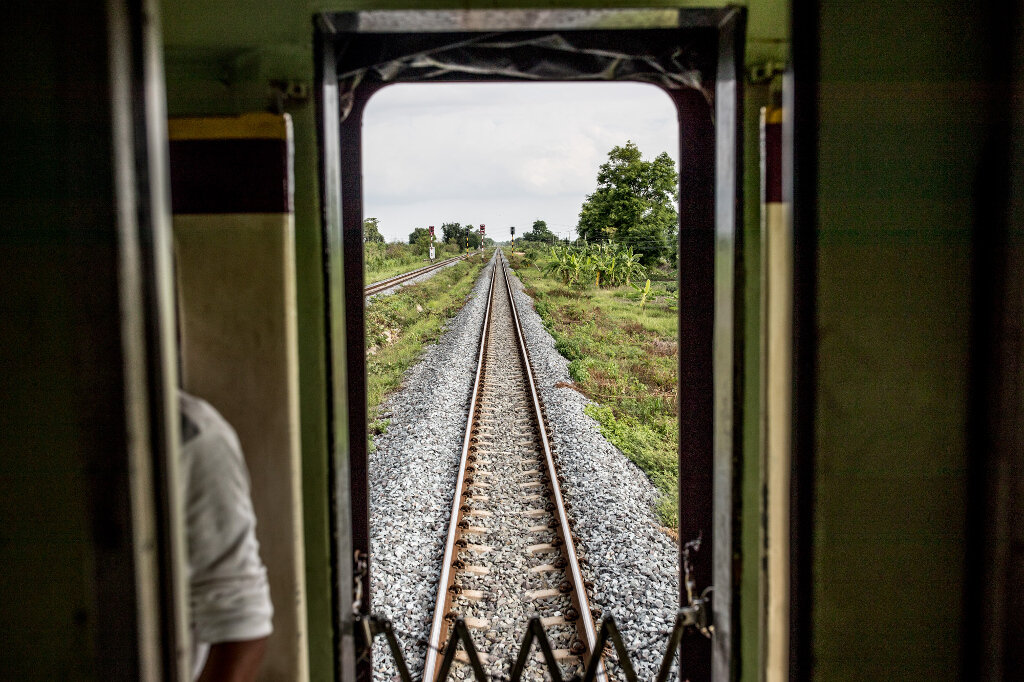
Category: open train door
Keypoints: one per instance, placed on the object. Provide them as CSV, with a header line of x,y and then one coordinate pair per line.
x,y
696,57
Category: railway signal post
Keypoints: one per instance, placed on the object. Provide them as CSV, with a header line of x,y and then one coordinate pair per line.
x,y
431,230
482,233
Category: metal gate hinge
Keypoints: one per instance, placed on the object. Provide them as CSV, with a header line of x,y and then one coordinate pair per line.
x,y
697,613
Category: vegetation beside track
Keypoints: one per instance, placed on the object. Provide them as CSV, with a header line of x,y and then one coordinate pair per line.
x,y
399,325
381,260
622,347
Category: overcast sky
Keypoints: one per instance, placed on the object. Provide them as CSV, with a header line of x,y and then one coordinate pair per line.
x,y
501,154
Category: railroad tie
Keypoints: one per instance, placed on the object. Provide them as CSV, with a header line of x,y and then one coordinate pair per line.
x,y
547,593
542,547
477,623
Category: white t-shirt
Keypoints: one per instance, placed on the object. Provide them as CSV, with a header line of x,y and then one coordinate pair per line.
x,y
229,594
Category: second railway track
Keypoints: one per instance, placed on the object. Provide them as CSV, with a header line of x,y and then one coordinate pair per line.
x,y
385,284
509,554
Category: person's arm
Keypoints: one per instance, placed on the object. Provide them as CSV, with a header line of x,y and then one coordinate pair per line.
x,y
228,590
234,661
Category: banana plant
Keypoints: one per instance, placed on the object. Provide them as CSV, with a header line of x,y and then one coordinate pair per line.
x,y
645,291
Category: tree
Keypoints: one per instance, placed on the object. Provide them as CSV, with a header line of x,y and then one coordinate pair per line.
x,y
371,231
456,234
539,233
634,204
419,234
452,233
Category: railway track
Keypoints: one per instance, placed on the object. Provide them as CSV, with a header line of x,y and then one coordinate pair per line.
x,y
385,284
509,555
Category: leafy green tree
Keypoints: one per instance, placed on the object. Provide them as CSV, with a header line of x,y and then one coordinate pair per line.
x,y
540,233
634,204
452,233
371,231
419,234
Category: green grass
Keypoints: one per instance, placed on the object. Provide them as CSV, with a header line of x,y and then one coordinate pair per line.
x,y
381,261
398,326
624,359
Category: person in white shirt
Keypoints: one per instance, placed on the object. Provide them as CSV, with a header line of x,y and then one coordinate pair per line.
x,y
229,595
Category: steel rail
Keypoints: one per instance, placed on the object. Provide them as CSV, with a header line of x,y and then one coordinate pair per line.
x,y
578,583
383,284
438,627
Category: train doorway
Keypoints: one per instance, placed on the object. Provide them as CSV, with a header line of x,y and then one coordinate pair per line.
x,y
696,57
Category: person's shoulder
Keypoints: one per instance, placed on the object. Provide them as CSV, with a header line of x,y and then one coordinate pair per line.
x,y
199,418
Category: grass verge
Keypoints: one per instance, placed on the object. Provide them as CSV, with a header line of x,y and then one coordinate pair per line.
x,y
625,359
381,261
398,326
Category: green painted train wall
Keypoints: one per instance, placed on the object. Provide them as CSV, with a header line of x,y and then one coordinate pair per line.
x,y
902,98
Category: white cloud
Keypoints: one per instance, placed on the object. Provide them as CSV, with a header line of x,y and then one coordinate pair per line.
x,y
500,154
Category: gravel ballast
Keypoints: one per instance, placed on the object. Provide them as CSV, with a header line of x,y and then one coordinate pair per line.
x,y
634,565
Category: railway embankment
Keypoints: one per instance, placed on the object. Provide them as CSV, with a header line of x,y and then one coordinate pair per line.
x,y
630,560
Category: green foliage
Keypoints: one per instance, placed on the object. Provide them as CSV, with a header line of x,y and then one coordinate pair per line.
x,y
371,231
634,204
418,236
453,233
643,443
645,291
384,260
626,362
399,325
607,265
578,371
569,347
381,260
540,233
